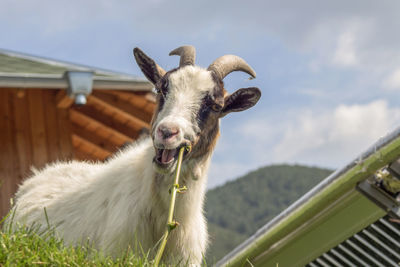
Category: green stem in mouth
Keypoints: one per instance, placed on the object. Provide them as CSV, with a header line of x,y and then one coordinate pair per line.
x,y
171,223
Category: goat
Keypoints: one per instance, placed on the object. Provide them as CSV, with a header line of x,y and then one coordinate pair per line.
x,y
124,200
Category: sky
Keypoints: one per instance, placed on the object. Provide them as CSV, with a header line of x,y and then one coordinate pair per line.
x,y
329,71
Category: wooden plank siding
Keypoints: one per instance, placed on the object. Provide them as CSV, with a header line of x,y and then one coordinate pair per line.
x,y
38,132
119,115
51,129
22,133
92,151
38,126
98,129
64,133
30,134
8,164
129,103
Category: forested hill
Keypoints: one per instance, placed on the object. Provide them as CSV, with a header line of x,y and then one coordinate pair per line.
x,y
238,208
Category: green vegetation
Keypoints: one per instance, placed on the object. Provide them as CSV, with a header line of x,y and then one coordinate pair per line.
x,y
25,247
240,207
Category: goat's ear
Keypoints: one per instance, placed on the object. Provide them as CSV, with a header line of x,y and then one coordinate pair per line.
x,y
240,100
150,69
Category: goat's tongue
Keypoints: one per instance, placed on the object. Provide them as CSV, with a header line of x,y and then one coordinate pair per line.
x,y
167,155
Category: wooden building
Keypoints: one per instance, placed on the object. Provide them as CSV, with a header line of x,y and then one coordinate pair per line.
x,y
41,122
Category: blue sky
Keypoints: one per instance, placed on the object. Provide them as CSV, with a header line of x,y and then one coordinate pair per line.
x,y
329,70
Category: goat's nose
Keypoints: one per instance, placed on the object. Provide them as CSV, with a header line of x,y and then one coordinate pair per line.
x,y
167,132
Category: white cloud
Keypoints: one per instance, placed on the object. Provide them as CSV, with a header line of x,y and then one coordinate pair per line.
x,y
345,53
392,82
331,138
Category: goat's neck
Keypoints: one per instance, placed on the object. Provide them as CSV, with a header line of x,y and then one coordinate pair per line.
x,y
194,177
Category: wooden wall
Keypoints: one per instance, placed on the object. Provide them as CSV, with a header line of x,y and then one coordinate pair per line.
x,y
109,120
38,126
32,132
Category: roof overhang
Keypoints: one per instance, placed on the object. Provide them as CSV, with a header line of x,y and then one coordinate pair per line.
x,y
61,64
57,81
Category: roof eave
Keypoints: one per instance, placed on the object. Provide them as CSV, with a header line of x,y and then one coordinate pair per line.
x,y
56,81
61,63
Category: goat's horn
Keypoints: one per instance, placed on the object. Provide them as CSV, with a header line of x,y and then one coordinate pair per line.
x,y
224,65
187,54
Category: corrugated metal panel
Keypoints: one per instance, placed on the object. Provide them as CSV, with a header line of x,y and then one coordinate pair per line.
x,y
376,245
290,239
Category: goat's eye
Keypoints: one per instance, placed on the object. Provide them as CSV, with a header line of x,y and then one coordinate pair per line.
x,y
216,107
164,87
211,104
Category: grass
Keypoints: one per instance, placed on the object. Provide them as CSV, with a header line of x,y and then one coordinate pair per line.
x,y
26,247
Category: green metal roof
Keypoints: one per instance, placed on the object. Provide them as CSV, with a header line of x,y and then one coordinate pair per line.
x,y
21,70
16,62
330,213
13,64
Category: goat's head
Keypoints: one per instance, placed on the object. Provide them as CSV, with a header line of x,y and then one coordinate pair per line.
x,y
190,101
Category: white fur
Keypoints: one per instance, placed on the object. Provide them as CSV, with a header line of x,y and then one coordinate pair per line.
x,y
123,201
115,204
187,88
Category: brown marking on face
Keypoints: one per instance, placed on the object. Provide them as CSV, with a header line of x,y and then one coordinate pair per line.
x,y
209,127
207,140
161,88
159,104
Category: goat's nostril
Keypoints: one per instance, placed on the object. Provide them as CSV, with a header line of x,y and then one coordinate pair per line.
x,y
168,132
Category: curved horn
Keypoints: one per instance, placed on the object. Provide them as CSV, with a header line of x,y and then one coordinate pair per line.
x,y
224,65
187,54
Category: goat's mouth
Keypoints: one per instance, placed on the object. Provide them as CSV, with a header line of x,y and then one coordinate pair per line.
x,y
166,158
